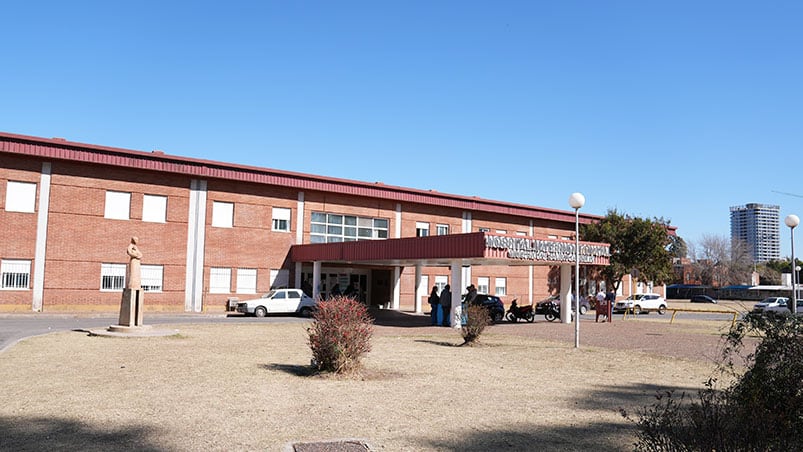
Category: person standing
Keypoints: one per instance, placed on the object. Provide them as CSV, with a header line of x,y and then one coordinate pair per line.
x,y
434,304
446,304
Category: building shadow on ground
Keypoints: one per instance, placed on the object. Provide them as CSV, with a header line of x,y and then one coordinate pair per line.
x,y
390,317
37,434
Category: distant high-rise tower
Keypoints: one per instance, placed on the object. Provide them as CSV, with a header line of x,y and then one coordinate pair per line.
x,y
758,225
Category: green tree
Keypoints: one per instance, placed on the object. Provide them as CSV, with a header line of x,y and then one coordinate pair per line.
x,y
636,244
677,246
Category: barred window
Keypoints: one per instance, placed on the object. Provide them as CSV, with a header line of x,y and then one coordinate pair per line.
x,y
219,280
328,227
246,280
112,277
15,274
151,278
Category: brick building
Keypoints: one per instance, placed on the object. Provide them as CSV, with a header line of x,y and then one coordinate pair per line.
x,y
210,231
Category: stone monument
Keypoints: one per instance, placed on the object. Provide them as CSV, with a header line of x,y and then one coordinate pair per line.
x,y
131,304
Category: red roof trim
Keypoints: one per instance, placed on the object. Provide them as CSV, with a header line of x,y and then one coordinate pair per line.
x,y
57,148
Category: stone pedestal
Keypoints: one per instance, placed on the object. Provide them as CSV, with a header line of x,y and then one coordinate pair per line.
x,y
131,308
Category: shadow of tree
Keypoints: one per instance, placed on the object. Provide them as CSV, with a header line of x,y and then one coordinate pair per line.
x,y
599,436
390,317
36,434
596,436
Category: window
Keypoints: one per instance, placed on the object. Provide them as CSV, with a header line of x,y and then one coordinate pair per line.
x,y
222,214
246,280
421,229
441,282
328,227
442,229
15,274
552,236
281,219
483,229
501,231
154,208
219,280
112,277
483,284
501,286
151,278
118,205
521,233
20,196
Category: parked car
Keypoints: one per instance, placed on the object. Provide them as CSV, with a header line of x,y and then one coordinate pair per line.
x,y
702,299
279,301
769,302
540,307
641,302
494,305
783,308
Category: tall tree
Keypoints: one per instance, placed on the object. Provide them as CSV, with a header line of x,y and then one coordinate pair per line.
x,y
636,244
720,261
677,246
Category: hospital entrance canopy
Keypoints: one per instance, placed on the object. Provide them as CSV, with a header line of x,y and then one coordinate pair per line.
x,y
474,248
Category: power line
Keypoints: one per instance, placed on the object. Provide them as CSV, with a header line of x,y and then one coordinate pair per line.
x,y
788,194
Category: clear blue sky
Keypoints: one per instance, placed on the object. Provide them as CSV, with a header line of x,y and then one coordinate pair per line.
x,y
657,109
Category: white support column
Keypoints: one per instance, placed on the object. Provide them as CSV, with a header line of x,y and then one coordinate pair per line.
x,y
456,284
196,230
418,289
41,238
397,229
530,272
316,280
565,293
396,288
299,235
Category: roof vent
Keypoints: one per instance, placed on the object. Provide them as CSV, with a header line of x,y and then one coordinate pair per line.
x,y
158,152
58,139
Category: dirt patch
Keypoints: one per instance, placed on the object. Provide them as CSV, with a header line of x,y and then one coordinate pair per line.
x,y
248,386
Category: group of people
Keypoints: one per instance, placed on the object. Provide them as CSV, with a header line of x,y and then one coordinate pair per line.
x,y
441,305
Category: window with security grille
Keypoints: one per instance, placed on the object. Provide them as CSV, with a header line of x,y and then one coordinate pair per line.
x,y
330,227
151,278
219,280
246,280
15,274
112,277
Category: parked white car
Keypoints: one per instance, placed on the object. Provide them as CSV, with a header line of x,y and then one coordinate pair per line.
x,y
279,301
641,302
770,303
783,308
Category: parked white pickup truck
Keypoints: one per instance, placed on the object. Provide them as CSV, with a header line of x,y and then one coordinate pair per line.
x,y
279,301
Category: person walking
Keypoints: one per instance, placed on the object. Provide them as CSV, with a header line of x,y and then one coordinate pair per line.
x,y
446,304
434,304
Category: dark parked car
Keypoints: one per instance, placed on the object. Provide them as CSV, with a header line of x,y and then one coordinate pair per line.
x,y
540,307
702,299
494,305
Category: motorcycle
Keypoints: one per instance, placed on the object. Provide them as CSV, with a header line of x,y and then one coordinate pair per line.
x,y
517,312
552,311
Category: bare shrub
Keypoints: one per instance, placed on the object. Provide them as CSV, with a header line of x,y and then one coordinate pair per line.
x,y
341,335
761,410
477,318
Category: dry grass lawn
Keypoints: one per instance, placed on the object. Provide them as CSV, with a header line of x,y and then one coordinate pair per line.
x,y
246,387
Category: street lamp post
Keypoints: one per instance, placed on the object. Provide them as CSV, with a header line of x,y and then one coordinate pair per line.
x,y
577,200
792,221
